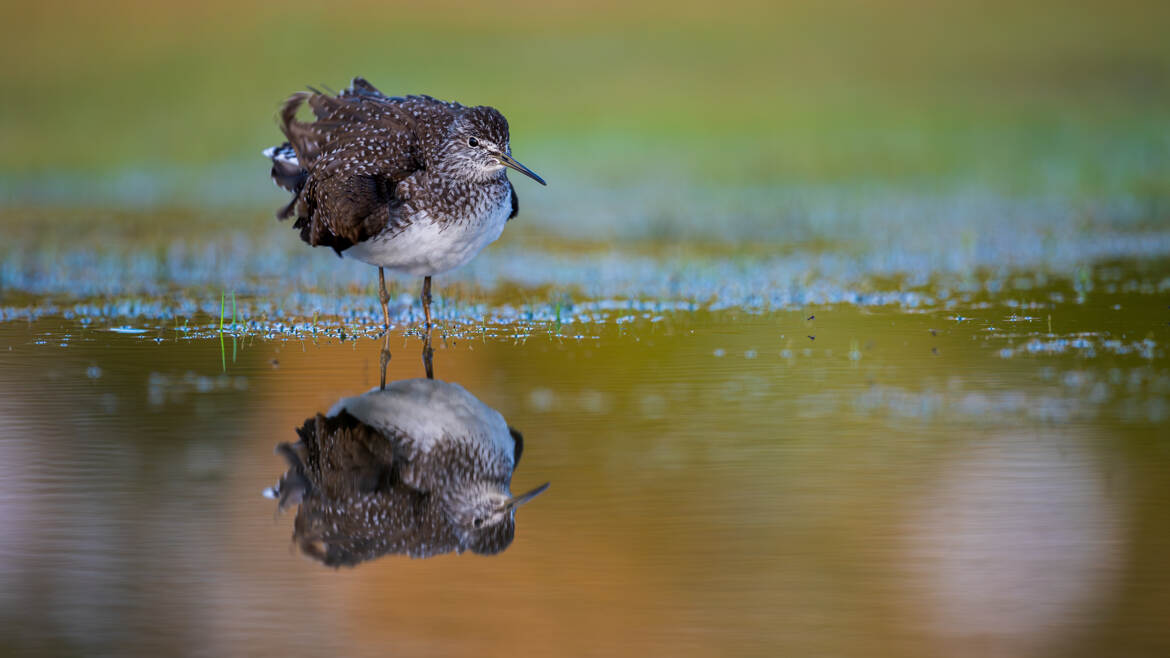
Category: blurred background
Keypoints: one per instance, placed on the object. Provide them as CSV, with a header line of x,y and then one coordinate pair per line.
x,y
733,121
854,140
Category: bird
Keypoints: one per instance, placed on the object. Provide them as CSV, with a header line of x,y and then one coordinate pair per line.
x,y
420,467
412,184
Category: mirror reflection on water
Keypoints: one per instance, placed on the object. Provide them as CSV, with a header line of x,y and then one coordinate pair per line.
x,y
418,467
988,476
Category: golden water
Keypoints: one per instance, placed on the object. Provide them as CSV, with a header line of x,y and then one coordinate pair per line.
x,y
870,481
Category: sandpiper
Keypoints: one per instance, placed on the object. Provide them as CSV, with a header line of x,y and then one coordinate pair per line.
x,y
419,467
409,183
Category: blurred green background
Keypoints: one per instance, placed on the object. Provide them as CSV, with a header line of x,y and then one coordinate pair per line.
x,y
169,103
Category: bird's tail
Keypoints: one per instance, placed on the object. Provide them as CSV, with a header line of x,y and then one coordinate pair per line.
x,y
288,174
294,485
292,160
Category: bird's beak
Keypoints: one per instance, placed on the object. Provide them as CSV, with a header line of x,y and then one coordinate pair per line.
x,y
509,161
517,501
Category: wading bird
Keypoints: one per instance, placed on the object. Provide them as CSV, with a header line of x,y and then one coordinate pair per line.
x,y
409,183
420,467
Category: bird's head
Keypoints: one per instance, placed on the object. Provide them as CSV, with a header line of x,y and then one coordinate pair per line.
x,y
484,516
477,146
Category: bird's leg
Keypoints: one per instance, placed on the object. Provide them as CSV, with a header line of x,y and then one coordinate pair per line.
x,y
384,357
384,361
384,297
428,356
426,299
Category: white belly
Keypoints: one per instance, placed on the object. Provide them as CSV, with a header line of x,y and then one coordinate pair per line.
x,y
431,412
427,247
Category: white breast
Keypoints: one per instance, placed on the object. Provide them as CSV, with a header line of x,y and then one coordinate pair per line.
x,y
427,247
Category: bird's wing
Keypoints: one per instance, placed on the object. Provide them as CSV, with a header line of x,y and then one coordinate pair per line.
x,y
343,456
360,147
517,446
343,475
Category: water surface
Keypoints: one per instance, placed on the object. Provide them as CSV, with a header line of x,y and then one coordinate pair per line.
x,y
984,476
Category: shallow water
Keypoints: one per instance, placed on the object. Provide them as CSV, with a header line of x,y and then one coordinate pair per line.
x,y
971,473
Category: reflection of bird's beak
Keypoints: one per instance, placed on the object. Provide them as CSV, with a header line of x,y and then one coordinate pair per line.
x,y
517,501
509,161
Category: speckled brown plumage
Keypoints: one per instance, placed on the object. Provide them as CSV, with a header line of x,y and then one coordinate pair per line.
x,y
370,162
364,491
409,183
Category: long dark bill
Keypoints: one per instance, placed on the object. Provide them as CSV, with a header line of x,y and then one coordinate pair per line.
x,y
513,163
517,501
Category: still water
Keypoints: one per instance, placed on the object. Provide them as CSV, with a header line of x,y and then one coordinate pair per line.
x,y
990,478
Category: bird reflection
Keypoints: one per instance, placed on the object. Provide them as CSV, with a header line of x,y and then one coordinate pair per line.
x,y
417,467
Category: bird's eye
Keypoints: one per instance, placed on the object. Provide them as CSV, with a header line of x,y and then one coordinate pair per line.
x,y
471,141
478,523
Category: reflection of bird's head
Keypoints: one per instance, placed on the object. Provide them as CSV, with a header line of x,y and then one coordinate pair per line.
x,y
484,515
